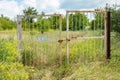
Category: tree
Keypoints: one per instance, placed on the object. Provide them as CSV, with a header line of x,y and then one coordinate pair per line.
x,y
64,23
98,21
78,21
115,20
30,11
55,22
28,20
42,24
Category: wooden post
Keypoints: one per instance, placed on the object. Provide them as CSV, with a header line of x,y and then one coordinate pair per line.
x,y
107,35
19,32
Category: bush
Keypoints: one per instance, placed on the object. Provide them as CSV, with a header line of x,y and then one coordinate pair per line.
x,y
8,51
13,71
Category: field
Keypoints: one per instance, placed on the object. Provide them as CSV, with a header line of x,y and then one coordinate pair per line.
x,y
43,58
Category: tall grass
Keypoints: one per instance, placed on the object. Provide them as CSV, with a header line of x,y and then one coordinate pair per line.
x,y
87,60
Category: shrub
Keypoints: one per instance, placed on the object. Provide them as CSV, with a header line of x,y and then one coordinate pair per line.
x,y
13,71
8,51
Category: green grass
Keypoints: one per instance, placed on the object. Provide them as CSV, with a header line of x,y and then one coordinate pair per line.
x,y
87,61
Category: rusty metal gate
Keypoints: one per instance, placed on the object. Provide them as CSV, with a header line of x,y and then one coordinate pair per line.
x,y
43,42
88,35
39,39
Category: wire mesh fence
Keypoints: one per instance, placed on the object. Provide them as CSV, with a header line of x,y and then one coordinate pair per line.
x,y
45,42
40,39
86,35
115,35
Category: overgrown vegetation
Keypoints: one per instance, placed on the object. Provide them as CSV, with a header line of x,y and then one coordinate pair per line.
x,y
8,51
13,71
6,23
45,65
10,68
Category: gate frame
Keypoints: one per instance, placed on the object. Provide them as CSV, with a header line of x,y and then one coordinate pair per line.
x,y
19,30
106,34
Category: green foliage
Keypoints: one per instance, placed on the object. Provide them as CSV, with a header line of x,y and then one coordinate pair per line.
x,y
43,24
55,22
8,51
86,50
6,23
10,68
78,21
80,51
13,71
32,57
27,22
27,57
115,20
98,22
62,71
64,23
77,68
30,11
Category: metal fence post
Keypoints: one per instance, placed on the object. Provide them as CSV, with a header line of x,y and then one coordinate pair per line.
x,y
60,25
67,36
107,35
19,32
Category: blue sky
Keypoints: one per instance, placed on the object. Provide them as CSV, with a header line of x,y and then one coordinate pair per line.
x,y
11,8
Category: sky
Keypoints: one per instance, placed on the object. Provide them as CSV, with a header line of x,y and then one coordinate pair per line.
x,y
11,8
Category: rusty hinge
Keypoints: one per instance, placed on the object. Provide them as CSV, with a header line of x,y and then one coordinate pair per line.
x,y
60,41
19,22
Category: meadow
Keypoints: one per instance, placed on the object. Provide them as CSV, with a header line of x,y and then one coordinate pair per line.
x,y
39,58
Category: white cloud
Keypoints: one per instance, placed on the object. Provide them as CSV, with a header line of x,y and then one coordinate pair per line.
x,y
48,5
27,3
86,4
11,8
103,3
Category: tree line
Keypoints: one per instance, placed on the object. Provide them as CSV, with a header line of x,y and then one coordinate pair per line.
x,y
6,23
77,21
